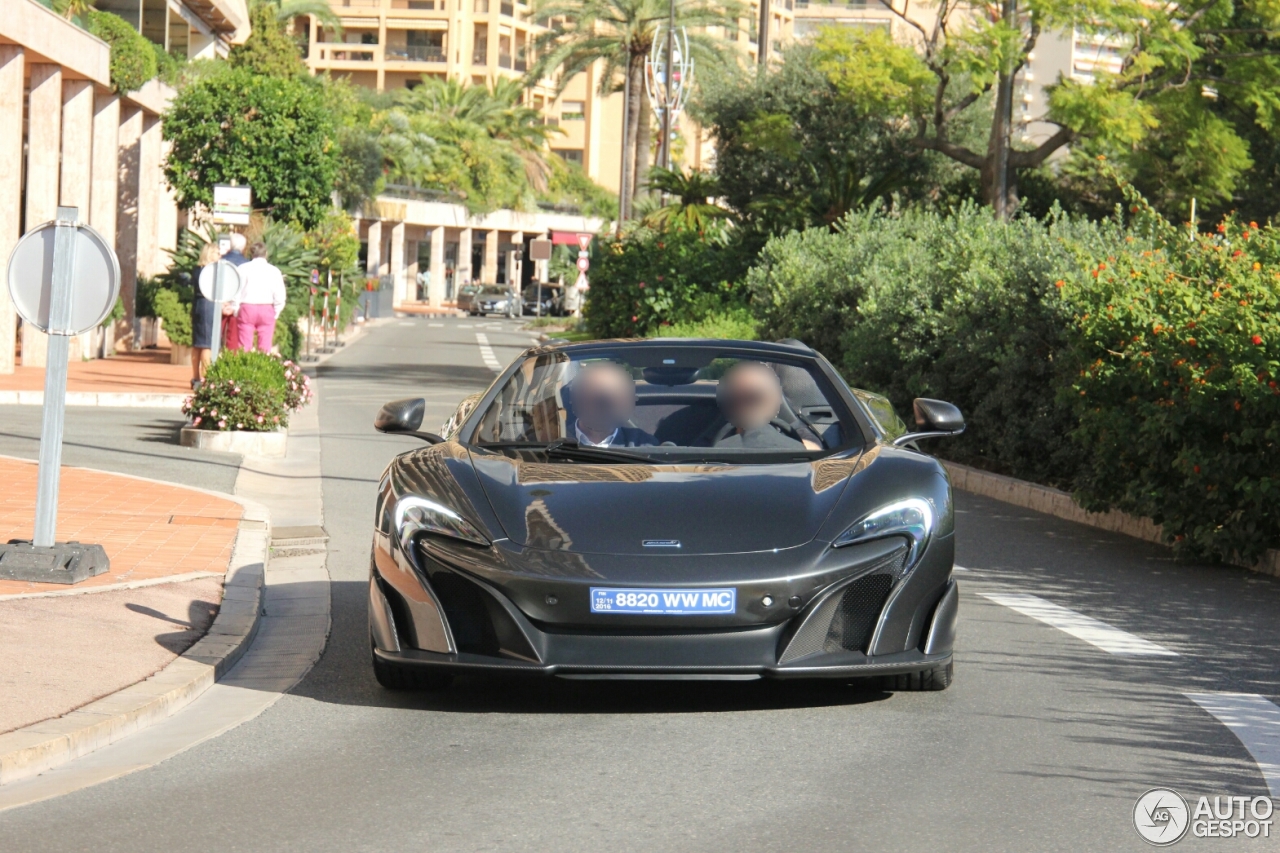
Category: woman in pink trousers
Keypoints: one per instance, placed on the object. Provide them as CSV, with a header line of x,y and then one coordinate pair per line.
x,y
261,299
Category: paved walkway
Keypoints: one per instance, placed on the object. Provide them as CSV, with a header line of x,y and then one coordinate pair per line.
x,y
62,646
146,372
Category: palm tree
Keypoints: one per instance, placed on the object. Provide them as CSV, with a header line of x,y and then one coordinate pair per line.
x,y
289,10
691,207
620,34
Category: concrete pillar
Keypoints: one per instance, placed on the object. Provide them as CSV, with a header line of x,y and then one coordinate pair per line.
x,y
373,256
489,272
166,216
151,190
105,181
400,292
463,274
77,145
411,269
44,145
11,67
435,294
129,159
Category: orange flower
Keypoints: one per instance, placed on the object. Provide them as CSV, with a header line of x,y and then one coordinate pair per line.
x,y
1257,340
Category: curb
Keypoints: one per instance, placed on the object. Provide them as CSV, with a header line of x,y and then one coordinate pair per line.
x,y
42,746
1059,504
116,399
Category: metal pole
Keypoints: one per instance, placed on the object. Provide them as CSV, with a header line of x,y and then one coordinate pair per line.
x,y
55,378
215,339
311,317
667,100
624,200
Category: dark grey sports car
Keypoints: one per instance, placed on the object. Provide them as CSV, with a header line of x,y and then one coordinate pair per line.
x,y
666,509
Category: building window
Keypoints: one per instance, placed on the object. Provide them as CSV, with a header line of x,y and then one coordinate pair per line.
x,y
569,155
573,110
482,7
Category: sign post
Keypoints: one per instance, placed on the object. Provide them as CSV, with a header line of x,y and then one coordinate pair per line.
x,y
64,279
219,283
232,205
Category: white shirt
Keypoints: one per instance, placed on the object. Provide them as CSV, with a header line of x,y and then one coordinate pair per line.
x,y
262,284
586,442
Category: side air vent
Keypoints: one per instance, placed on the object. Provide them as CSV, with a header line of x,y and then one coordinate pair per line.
x,y
465,611
846,617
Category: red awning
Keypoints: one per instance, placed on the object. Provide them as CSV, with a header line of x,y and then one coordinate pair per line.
x,y
566,238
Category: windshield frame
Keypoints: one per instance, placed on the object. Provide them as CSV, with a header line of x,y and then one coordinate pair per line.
x,y
829,381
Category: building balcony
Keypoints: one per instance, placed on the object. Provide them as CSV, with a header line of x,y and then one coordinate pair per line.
x,y
480,57
522,65
507,8
339,52
504,60
415,53
356,4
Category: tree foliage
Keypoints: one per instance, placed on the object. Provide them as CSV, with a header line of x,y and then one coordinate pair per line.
x,y
133,61
275,134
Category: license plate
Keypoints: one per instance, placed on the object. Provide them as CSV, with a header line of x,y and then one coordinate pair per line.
x,y
664,602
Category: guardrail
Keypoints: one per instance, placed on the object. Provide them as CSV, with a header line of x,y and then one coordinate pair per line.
x,y
415,53
339,52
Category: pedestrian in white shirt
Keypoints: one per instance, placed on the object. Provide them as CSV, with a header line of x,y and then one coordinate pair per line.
x,y
261,299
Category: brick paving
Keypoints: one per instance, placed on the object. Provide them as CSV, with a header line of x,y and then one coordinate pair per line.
x,y
146,372
149,530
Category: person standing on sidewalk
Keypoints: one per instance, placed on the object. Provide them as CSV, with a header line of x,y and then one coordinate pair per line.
x,y
235,256
262,296
202,319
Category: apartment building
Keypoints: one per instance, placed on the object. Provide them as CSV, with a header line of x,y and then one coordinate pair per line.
x,y
424,249
67,138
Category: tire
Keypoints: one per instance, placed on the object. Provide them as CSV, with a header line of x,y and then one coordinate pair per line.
x,y
933,678
395,677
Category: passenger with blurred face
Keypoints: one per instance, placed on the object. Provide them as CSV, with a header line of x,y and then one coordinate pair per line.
x,y
750,398
603,397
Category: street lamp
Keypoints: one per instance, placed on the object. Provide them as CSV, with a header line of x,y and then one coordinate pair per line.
x,y
667,79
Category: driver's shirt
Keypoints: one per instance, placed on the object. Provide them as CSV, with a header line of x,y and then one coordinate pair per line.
x,y
586,442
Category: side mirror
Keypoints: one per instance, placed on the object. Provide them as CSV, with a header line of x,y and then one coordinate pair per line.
x,y
934,419
403,417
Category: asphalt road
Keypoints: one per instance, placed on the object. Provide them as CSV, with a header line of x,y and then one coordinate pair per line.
x,y
1044,742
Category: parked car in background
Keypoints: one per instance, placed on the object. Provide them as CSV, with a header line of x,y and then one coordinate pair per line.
x,y
466,296
548,307
492,299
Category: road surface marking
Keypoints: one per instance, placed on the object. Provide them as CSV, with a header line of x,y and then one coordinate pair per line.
x,y
1100,634
406,323
486,353
435,325
1255,721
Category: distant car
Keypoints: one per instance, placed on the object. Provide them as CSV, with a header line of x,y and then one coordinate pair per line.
x,y
466,295
490,300
550,305
753,516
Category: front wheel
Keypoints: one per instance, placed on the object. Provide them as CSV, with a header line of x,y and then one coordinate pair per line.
x,y
934,678
394,677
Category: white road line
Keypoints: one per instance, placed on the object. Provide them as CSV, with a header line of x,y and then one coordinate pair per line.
x,y
435,325
1100,634
1255,721
486,353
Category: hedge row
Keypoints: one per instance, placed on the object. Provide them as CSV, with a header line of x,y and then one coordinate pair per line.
x,y
1133,364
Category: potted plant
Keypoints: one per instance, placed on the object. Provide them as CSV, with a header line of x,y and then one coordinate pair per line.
x,y
243,406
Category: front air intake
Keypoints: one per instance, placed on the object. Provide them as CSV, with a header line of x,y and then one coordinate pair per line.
x,y
845,618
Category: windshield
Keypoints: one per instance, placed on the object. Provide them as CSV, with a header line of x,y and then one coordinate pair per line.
x,y
669,403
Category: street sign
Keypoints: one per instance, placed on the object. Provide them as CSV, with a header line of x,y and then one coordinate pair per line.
x,y
539,250
582,283
64,280
219,283
232,205
92,285
584,264
584,241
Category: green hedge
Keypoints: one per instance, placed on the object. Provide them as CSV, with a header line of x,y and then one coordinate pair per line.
x,y
1129,364
133,57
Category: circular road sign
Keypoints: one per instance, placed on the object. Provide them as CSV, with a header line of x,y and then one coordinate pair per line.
x,y
95,279
231,282
584,264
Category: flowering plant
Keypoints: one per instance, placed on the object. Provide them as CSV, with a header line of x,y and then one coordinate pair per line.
x,y
250,391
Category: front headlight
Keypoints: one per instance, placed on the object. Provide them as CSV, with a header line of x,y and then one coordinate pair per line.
x,y
912,519
415,515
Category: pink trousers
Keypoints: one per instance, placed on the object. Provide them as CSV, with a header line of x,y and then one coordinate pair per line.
x,y
256,318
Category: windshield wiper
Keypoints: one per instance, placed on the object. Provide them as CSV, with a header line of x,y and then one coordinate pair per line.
x,y
570,449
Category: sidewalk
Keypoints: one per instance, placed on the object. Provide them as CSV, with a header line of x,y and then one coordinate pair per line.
x,y
127,379
62,647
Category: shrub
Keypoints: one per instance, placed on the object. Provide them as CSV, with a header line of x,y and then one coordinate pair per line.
x,y
133,61
175,313
248,390
650,277
1176,358
958,306
735,324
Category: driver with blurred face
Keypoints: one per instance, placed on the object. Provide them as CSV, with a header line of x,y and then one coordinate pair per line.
x,y
750,397
603,398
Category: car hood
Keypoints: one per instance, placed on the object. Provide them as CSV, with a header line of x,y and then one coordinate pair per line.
x,y
614,509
